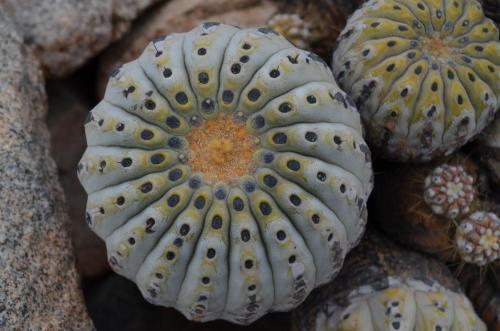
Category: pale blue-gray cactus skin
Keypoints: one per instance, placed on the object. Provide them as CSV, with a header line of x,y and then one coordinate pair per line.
x,y
221,250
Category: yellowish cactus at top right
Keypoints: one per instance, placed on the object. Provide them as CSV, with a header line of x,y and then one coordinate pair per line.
x,y
425,74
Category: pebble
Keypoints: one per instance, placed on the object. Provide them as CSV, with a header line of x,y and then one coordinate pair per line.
x,y
65,34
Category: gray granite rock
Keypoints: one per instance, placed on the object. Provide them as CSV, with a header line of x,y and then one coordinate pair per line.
x,y
39,288
64,34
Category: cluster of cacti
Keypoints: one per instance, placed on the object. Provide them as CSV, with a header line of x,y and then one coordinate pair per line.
x,y
383,287
424,74
419,206
437,208
229,176
226,172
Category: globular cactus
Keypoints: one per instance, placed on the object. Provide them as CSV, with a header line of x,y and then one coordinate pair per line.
x,y
488,148
449,191
478,238
425,74
383,287
226,172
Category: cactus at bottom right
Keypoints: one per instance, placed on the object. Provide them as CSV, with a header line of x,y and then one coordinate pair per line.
x,y
384,287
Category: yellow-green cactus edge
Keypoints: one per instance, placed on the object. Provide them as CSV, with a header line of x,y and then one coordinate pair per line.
x,y
384,287
226,249
425,74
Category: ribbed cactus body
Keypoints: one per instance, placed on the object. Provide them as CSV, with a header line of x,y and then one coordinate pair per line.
x,y
226,172
383,287
425,74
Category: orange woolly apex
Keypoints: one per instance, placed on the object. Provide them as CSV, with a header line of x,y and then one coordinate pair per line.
x,y
221,149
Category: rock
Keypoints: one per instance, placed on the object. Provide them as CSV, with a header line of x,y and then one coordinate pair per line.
x,y
180,16
39,284
115,304
125,11
64,34
67,111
